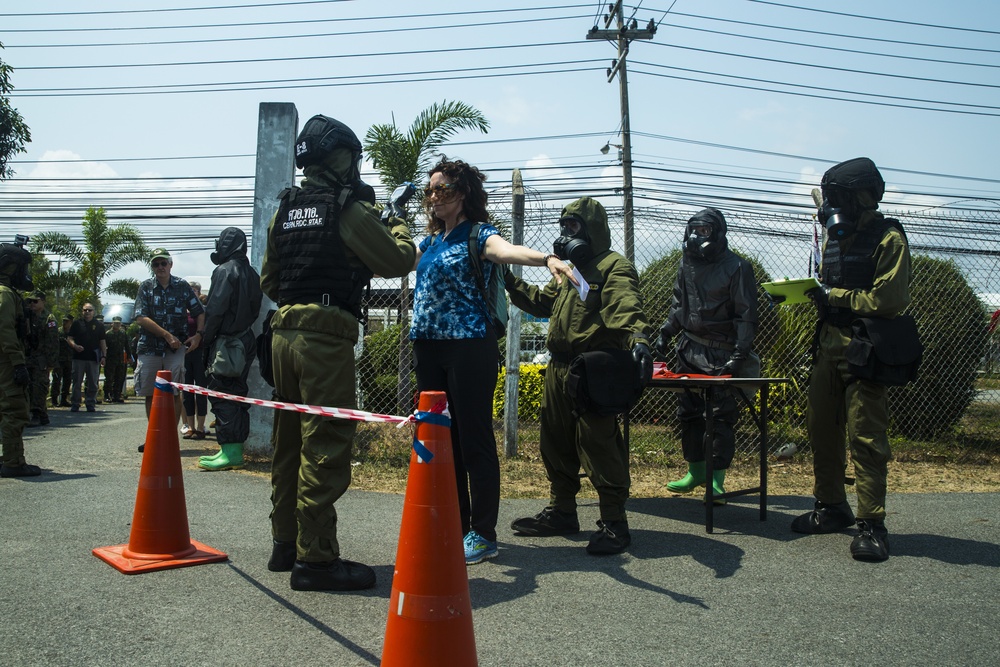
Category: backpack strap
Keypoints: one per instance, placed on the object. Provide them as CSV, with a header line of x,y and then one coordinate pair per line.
x,y
477,262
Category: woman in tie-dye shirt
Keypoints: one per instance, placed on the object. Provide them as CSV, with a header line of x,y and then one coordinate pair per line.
x,y
453,343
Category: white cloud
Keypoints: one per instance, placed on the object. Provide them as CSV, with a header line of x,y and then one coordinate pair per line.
x,y
53,164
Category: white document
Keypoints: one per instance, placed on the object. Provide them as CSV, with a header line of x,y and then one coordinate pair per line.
x,y
584,287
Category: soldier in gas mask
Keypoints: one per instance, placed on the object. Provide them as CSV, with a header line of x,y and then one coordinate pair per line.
x,y
14,376
865,272
714,309
611,317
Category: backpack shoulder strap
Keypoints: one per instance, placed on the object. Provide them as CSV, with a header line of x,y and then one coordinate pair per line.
x,y
475,260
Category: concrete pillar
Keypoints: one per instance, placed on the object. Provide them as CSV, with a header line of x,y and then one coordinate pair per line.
x,y
277,127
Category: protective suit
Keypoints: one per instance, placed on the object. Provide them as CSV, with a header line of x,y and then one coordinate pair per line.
x,y
714,310
865,272
233,305
611,317
313,353
41,353
14,376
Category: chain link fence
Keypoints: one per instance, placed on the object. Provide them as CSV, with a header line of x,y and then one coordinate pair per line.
x,y
951,412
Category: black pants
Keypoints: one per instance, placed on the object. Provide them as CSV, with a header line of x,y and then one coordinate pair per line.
x,y
466,370
195,405
232,419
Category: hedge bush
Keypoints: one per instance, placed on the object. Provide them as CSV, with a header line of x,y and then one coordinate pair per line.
x,y
952,322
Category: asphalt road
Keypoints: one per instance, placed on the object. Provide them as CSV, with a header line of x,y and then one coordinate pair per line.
x,y
752,593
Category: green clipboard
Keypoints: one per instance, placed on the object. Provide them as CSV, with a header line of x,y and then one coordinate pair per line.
x,y
794,291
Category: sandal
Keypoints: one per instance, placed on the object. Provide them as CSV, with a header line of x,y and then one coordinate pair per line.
x,y
189,435
196,435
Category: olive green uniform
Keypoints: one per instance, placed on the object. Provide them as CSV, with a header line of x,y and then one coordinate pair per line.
x,y
313,361
610,318
843,408
41,356
115,364
13,398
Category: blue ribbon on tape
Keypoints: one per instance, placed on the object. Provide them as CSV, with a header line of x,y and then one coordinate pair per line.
x,y
164,386
435,418
425,455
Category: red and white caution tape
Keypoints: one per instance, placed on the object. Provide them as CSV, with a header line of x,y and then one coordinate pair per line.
x,y
339,413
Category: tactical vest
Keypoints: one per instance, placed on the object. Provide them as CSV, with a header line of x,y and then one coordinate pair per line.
x,y
314,266
855,267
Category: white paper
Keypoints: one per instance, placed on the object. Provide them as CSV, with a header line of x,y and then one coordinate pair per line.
x,y
583,288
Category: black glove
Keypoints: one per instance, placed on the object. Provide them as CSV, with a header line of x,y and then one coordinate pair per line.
x,y
21,376
392,210
643,363
821,297
396,206
775,299
663,341
735,364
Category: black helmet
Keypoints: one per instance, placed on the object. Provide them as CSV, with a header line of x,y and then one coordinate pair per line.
x,y
321,136
15,262
857,174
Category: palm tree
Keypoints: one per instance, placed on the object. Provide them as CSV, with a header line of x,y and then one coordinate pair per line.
x,y
400,157
105,250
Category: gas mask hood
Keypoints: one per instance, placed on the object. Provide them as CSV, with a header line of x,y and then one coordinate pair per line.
x,y
573,244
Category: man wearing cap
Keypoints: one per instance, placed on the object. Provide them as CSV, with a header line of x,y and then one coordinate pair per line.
x,y
117,361
62,374
161,309
41,352
86,337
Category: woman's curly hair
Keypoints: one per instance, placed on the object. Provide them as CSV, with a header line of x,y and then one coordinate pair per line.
x,y
468,181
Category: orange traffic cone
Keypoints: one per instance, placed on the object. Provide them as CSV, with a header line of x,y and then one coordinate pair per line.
x,y
160,539
430,614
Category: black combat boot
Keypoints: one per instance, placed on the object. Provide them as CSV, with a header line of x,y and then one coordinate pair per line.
x,y
548,522
20,471
872,543
824,519
612,537
282,556
334,575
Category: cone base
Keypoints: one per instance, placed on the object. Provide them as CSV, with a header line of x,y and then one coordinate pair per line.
x,y
113,556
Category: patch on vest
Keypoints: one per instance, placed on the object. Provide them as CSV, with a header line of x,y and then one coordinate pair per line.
x,y
305,216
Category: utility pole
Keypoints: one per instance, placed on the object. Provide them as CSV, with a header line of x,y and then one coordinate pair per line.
x,y
624,34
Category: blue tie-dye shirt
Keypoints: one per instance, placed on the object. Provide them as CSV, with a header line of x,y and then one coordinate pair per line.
x,y
447,303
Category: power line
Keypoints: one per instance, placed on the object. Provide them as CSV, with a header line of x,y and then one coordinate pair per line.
x,y
179,9
352,33
876,18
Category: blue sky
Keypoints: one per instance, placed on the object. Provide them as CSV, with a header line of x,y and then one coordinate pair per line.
x,y
723,129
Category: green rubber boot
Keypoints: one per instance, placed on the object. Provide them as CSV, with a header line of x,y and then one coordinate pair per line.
x,y
695,477
718,487
207,459
230,459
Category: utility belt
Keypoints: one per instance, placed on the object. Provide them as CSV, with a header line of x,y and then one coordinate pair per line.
x,y
322,300
718,344
840,317
561,358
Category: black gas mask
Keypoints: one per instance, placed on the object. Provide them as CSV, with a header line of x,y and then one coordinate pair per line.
x,y
705,235
698,238
573,244
835,213
15,262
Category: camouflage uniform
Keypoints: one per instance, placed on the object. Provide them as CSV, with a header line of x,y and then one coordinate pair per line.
x,y
41,355
115,365
13,396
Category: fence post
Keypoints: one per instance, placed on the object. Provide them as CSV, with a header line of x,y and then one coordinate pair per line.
x,y
513,327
